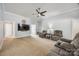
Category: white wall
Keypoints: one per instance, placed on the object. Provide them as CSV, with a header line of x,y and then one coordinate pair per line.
x,y
1,11
75,27
1,18
59,24
1,26
11,17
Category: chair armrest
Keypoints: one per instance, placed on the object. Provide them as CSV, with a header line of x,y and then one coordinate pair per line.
x,y
66,46
66,40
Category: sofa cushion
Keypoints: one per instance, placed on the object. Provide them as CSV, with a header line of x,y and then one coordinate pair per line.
x,y
55,38
68,47
65,53
76,53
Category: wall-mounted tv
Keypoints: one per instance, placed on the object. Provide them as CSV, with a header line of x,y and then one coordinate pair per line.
x,y
23,27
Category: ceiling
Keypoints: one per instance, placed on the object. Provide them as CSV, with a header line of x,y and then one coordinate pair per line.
x,y
27,9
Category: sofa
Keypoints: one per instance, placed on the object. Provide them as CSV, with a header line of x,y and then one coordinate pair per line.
x,y
55,36
66,47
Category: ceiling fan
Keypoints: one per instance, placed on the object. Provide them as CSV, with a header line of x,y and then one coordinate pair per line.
x,y
40,13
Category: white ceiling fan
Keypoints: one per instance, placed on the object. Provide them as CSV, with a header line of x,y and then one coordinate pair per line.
x,y
39,12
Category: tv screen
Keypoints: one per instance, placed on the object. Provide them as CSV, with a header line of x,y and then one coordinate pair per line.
x,y
23,27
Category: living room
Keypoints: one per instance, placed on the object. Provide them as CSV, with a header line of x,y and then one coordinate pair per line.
x,y
47,23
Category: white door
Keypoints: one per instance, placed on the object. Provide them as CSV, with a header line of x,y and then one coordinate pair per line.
x,y
33,30
8,29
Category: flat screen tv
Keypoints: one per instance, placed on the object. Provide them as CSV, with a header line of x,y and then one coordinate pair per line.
x,y
23,27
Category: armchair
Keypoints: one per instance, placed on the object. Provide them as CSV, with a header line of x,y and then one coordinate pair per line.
x,y
43,34
58,34
68,47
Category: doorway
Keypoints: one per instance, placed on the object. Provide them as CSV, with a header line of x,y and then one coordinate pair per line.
x,y
8,27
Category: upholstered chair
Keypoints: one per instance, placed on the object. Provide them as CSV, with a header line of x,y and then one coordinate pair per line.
x,y
69,47
43,34
57,35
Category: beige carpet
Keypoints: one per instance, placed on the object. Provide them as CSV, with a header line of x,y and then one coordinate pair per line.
x,y
26,46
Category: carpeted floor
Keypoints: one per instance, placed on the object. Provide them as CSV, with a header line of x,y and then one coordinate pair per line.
x,y
26,46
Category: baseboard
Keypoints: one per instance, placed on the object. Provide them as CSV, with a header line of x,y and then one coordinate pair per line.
x,y
21,37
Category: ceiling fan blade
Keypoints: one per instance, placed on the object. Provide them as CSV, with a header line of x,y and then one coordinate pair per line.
x,y
37,11
40,13
44,12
